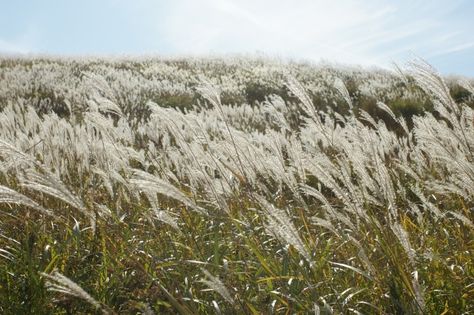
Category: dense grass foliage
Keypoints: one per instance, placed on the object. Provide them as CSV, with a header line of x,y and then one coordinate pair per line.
x,y
234,186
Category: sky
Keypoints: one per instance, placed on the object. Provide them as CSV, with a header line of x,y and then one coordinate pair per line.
x,y
367,33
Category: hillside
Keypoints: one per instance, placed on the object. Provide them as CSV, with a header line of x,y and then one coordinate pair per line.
x,y
234,186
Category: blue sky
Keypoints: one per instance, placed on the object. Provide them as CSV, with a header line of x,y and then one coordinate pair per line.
x,y
370,32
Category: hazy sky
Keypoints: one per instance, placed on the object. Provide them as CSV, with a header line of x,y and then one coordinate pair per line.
x,y
369,32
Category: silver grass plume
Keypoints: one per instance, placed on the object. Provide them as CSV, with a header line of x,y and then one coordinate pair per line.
x,y
165,217
216,285
299,91
431,82
389,111
467,85
13,156
342,89
332,214
404,240
11,196
151,184
462,218
51,185
280,225
99,85
105,105
308,107
57,282
162,215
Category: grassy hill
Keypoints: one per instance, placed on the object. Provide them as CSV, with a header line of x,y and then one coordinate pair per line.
x,y
234,186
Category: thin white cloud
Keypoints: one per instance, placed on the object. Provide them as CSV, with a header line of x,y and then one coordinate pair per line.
x,y
349,31
455,49
308,28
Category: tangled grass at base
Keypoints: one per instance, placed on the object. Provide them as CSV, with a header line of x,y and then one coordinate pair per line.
x,y
234,186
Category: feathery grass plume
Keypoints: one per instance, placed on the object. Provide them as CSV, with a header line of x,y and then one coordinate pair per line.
x,y
11,196
296,157
432,83
332,214
109,179
345,177
211,93
384,182
101,123
364,116
326,127
57,282
51,185
462,218
311,191
399,72
403,238
279,224
166,217
271,106
13,157
448,149
426,203
97,83
342,89
338,265
106,181
110,139
151,185
362,254
467,85
389,111
326,172
102,210
161,215
215,284
299,91
105,106
325,224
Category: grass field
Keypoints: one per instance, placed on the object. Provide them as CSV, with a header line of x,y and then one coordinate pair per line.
x,y
234,186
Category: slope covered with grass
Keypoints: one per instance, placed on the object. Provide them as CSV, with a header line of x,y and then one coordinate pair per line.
x,y
234,186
